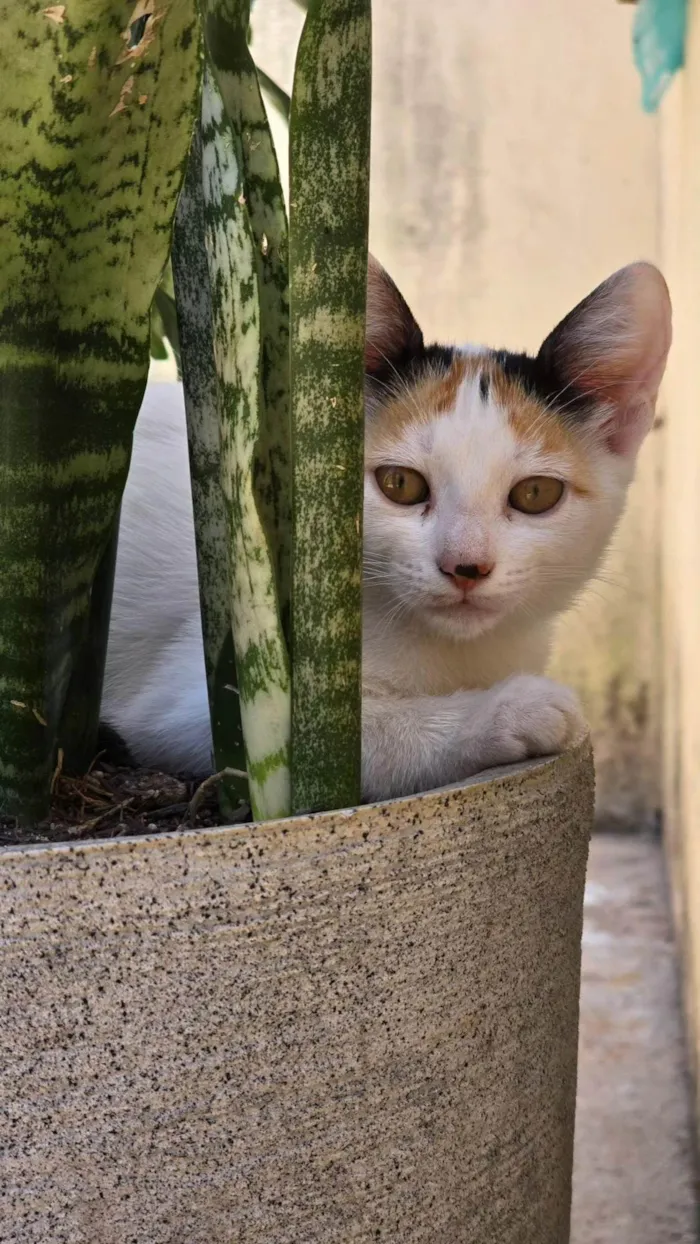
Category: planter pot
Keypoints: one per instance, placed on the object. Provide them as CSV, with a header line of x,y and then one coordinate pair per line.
x,y
356,1026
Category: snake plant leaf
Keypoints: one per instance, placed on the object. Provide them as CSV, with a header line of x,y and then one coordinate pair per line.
x,y
164,320
230,267
200,380
96,123
328,225
81,710
226,26
232,252
159,350
275,93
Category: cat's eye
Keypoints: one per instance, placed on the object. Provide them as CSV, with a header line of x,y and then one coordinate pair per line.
x,y
402,484
535,495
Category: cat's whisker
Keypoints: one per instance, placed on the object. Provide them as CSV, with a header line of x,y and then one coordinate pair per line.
x,y
392,616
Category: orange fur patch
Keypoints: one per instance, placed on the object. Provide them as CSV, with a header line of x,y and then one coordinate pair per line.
x,y
531,421
432,396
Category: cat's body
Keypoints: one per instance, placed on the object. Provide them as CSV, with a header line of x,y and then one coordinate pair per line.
x,y
463,578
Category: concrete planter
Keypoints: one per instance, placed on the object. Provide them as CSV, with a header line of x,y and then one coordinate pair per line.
x,y
358,1026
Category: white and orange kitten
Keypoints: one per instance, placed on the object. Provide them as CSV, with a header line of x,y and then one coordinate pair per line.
x,y
493,484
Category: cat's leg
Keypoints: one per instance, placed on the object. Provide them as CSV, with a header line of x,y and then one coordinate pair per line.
x,y
418,743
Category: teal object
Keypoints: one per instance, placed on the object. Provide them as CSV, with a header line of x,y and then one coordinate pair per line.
x,y
658,39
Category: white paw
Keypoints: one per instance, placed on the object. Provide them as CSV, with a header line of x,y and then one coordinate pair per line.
x,y
533,716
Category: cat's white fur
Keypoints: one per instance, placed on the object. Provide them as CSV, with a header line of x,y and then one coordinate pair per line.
x,y
155,690
452,679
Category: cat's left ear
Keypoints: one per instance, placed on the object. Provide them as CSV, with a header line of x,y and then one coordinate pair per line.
x,y
613,348
392,334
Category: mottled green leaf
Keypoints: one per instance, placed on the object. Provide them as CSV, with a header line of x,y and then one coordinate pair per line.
x,y
278,98
96,119
159,350
230,266
329,200
232,252
226,24
201,385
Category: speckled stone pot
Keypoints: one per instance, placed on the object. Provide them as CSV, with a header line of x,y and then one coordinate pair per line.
x,y
359,1026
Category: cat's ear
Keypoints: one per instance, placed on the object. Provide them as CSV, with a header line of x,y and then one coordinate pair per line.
x,y
613,348
392,334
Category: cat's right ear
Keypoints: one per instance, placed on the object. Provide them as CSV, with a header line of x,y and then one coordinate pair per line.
x,y
392,334
613,348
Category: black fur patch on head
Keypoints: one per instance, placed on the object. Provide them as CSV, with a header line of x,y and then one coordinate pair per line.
x,y
539,379
484,386
410,367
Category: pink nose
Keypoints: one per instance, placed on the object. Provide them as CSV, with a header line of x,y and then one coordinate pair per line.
x,y
466,577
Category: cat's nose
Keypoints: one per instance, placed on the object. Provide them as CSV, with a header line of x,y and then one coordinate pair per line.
x,y
466,576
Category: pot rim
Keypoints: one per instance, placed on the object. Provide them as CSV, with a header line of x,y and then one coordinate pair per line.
x,y
495,776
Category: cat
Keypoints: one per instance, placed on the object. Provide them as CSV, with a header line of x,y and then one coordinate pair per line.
x,y
493,484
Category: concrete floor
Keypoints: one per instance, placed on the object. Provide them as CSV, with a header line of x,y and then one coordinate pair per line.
x,y
634,1162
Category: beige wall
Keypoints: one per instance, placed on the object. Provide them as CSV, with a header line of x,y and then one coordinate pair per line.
x,y
512,170
681,516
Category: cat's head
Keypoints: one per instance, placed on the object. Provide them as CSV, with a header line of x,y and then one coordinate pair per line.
x,y
494,480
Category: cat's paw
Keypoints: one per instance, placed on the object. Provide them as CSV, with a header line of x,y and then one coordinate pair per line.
x,y
533,716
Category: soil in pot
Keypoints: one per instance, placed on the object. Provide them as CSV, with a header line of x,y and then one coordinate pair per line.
x,y
113,800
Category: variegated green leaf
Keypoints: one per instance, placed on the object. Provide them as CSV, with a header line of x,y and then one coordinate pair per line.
x,y
233,317
96,118
159,350
261,655
329,194
201,385
226,27
278,98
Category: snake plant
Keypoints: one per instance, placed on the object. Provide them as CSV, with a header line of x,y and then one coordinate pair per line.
x,y
97,129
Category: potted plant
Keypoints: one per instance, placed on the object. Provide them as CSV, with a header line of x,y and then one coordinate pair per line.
x,y
356,1024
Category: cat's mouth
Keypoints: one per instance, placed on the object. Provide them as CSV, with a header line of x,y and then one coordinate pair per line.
x,y
468,603
467,616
